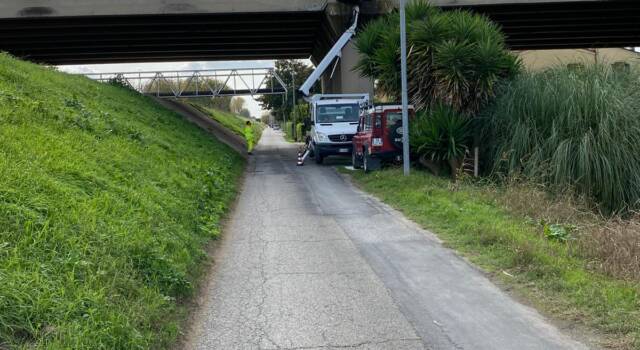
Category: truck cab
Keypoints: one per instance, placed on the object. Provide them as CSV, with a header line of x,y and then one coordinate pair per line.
x,y
379,136
334,122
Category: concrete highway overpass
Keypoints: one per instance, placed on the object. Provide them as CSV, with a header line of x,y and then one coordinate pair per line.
x,y
93,31
97,31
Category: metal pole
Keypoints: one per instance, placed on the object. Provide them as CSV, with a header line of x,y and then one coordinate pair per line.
x,y
284,114
293,94
405,102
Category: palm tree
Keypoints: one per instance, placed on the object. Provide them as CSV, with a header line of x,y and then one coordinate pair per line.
x,y
456,57
455,60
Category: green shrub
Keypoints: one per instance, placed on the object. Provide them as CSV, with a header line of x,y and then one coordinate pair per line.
x,y
300,132
454,57
121,82
297,117
571,128
300,113
289,130
441,135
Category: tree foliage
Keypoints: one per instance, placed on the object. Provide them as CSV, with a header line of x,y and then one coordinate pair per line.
x,y
454,57
300,113
245,113
265,117
236,105
277,104
455,62
169,85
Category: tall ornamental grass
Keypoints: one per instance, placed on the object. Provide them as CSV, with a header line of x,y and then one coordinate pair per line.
x,y
571,128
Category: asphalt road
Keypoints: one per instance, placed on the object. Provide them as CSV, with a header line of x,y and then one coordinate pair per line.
x,y
310,262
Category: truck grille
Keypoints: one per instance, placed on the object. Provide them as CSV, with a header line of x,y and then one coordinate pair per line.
x,y
341,138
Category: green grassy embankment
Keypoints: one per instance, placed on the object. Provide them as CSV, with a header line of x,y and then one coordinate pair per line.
x,y
480,222
233,122
107,201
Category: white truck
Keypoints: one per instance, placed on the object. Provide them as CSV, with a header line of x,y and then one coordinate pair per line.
x,y
334,117
334,121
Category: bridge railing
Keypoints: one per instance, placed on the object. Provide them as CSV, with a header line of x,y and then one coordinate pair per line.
x,y
199,83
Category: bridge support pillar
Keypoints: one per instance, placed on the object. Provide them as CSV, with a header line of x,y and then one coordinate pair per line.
x,y
345,80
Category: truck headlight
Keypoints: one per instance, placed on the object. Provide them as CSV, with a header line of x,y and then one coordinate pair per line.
x,y
322,137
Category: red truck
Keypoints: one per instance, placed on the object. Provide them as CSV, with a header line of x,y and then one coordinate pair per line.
x,y
379,136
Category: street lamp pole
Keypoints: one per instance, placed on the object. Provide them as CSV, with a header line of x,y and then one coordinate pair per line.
x,y
405,98
293,93
284,112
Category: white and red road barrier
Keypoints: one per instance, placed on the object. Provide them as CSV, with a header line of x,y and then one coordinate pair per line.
x,y
302,156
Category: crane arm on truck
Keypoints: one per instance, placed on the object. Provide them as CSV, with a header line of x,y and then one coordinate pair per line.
x,y
319,142
336,51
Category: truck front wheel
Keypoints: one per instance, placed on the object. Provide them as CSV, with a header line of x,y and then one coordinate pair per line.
x,y
318,157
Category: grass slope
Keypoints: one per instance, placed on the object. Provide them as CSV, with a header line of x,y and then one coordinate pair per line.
x,y
471,219
106,202
233,122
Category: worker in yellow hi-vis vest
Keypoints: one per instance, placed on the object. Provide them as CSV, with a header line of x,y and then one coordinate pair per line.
x,y
248,135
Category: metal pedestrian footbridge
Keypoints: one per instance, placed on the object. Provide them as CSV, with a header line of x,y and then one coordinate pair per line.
x,y
199,83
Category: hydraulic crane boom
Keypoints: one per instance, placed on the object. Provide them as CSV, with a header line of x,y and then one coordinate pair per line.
x,y
336,51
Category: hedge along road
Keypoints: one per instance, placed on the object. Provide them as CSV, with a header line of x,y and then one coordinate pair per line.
x,y
310,262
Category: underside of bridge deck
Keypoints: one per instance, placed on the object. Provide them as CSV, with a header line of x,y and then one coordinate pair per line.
x,y
295,34
553,25
145,38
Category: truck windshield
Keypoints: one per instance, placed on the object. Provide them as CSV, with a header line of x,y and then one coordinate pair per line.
x,y
337,113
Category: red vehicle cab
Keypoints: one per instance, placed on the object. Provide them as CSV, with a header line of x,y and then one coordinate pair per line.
x,y
379,136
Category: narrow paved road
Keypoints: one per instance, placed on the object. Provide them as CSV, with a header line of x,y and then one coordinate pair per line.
x,y
310,262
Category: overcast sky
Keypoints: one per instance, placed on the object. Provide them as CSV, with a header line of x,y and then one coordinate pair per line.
x,y
251,104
